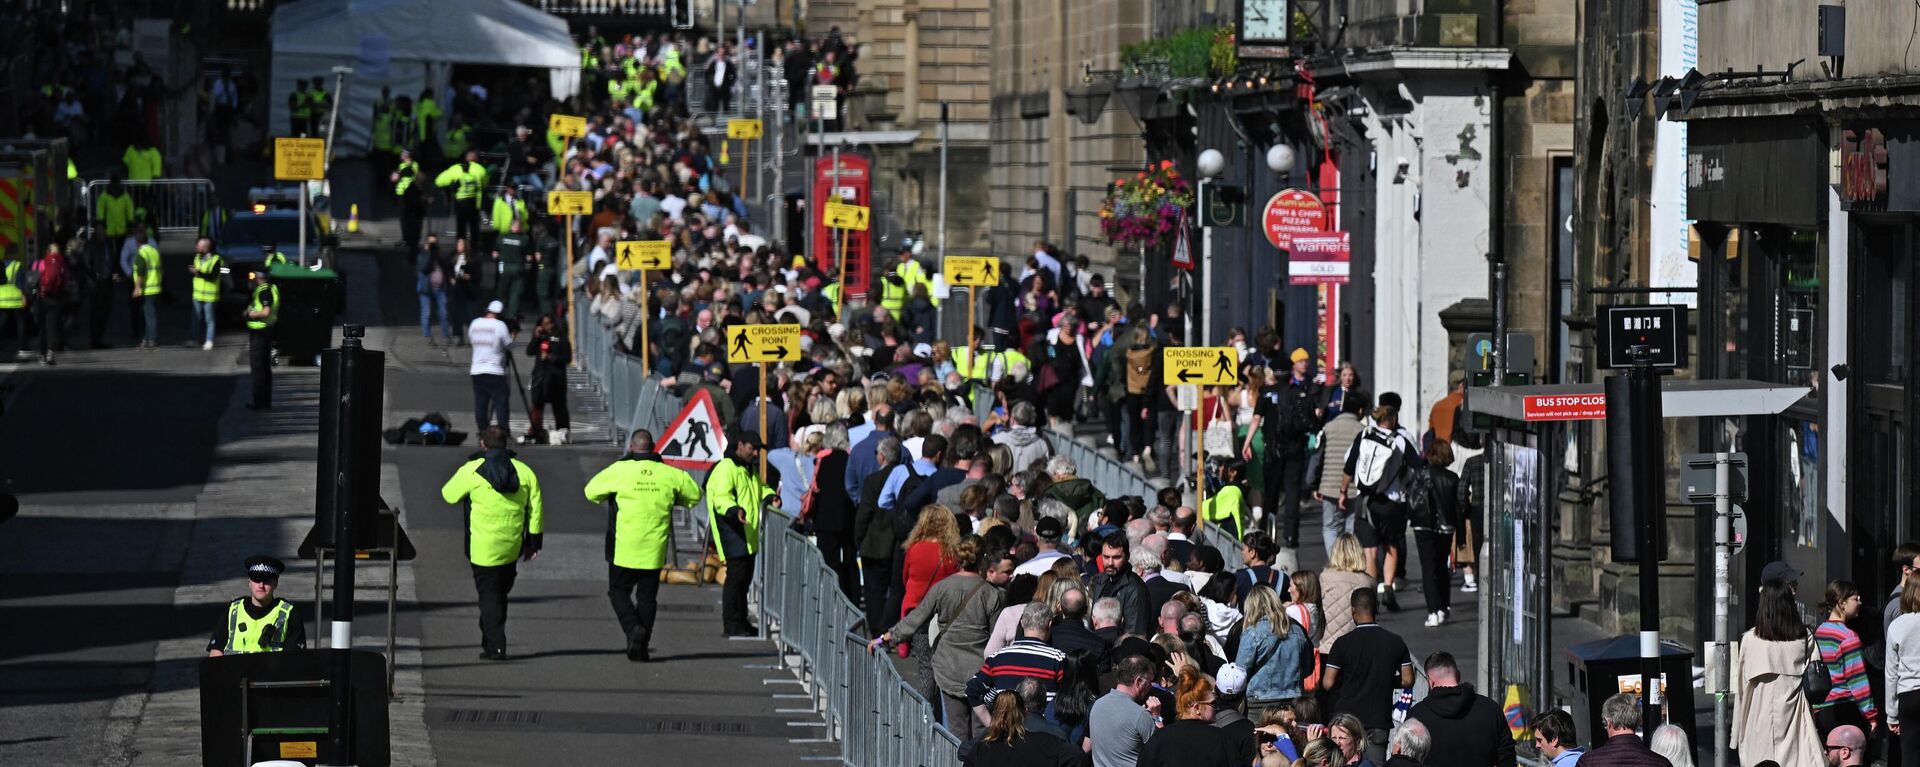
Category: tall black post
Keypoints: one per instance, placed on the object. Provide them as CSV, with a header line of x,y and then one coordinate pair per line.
x,y
351,381
1650,493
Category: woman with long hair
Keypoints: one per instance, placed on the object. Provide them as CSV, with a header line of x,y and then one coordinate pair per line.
x,y
1073,704
1008,744
1322,752
931,554
830,509
1191,740
1346,571
1303,603
1351,737
1771,718
1271,647
1851,699
1671,742
1433,532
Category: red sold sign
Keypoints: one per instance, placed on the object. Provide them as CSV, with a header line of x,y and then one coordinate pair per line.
x,y
1564,407
1292,212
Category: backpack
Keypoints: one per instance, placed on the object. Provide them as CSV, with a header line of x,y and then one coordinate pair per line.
x,y
1377,464
1296,411
1139,370
51,273
1423,509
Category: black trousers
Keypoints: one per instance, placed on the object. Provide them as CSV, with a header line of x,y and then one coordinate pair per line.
x,y
1907,748
1436,577
837,549
1286,472
874,574
260,365
635,595
412,214
493,584
53,315
99,310
466,216
17,320
136,317
896,588
733,593
490,401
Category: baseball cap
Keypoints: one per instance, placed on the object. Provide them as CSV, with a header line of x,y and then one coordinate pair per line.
x,y
1781,572
1300,355
495,307
1049,528
749,437
1231,679
923,351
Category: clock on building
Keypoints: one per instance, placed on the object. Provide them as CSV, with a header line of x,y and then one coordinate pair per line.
x,y
1264,28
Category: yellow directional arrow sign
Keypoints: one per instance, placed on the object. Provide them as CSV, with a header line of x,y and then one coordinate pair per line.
x,y
569,126
763,343
630,255
569,203
843,216
1202,365
743,127
302,159
973,271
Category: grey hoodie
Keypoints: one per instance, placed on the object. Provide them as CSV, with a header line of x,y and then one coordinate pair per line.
x,y
1027,445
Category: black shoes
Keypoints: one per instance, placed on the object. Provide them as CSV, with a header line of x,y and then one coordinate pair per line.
x,y
741,631
493,654
637,647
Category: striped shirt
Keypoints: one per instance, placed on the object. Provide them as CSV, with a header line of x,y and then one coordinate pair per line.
x,y
1846,666
1020,659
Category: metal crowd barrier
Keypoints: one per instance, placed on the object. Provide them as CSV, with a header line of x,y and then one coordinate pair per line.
x,y
874,713
174,205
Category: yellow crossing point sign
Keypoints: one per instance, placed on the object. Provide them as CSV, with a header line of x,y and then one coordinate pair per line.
x,y
763,343
569,203
1201,365
569,126
743,127
843,216
973,271
630,255
300,159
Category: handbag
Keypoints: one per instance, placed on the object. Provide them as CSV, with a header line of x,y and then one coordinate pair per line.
x,y
1085,407
1815,682
1218,438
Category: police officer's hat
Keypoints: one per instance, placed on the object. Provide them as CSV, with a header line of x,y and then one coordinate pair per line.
x,y
264,568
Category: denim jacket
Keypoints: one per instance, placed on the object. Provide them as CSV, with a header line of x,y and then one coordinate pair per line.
x,y
1272,662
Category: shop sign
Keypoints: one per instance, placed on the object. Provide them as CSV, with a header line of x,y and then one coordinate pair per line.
x,y
1863,167
1292,212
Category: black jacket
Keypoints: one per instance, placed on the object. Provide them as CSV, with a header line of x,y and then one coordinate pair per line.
x,y
1159,591
1072,635
1132,593
832,509
1468,729
872,530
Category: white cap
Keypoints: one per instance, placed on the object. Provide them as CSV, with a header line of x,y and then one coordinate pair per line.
x,y
1231,679
495,307
923,351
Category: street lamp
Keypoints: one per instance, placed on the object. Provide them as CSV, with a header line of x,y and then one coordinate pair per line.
x,y
1280,160
1211,164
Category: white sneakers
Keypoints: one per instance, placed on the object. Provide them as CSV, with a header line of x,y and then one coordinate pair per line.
x,y
1435,619
1469,585
208,346
557,437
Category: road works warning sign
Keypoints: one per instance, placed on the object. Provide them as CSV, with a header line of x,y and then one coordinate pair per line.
x,y
695,441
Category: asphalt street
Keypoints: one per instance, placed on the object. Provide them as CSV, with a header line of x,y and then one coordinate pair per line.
x,y
144,483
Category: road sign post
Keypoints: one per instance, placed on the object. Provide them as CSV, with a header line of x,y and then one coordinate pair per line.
x,y
643,256
971,272
572,205
1719,478
302,160
842,217
746,129
759,345
1200,366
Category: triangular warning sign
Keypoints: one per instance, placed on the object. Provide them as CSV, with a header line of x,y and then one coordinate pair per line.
x,y
695,440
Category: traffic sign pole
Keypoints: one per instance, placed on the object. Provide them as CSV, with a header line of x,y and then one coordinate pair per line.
x,y
1200,466
646,362
970,304
762,407
573,338
1722,594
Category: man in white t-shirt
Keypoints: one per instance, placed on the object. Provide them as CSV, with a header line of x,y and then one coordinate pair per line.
x,y
492,341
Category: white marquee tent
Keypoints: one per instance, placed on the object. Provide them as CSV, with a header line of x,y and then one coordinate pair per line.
x,y
408,46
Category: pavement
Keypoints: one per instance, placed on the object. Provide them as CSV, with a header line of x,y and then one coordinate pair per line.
x,y
144,483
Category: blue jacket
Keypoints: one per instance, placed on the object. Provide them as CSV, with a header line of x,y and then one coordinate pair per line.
x,y
863,459
1272,662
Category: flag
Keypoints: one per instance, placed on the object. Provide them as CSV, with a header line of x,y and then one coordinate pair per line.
x,y
1516,714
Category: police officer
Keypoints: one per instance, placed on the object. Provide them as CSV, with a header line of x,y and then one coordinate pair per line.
x,y
413,203
508,209
299,110
270,255
263,312
502,500
259,621
206,291
468,177
643,492
320,105
735,493
510,259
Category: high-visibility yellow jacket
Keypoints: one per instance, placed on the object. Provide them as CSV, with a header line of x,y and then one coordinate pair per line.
x,y
142,164
264,297
504,212
246,635
502,497
146,266
116,212
732,485
470,177
640,522
206,277
408,171
11,296
424,113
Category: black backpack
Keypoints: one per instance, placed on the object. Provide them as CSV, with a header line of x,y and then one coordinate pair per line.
x,y
1423,508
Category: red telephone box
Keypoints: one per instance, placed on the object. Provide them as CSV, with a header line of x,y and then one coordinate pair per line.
x,y
852,185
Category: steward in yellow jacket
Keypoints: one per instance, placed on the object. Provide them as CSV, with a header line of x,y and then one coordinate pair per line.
x,y
640,492
735,494
502,498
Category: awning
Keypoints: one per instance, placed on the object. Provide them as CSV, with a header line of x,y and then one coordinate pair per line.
x,y
1679,398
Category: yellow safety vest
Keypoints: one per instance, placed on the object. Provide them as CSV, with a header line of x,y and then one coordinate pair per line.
x,y
383,128
470,176
246,635
116,211
729,485
457,140
206,290
504,214
10,295
272,292
644,492
424,113
893,297
142,164
274,259
408,171
147,264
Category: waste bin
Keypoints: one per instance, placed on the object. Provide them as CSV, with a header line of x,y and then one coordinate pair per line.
x,y
1600,669
309,302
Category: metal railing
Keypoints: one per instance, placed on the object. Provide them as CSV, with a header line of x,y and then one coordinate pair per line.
x,y
174,205
634,399
874,713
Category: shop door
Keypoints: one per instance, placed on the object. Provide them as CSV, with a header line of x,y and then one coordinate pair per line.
x,y
1881,461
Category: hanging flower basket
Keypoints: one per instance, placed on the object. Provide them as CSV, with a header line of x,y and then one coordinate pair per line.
x,y
1146,210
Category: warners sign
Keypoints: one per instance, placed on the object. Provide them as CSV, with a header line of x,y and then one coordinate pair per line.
x,y
1863,167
